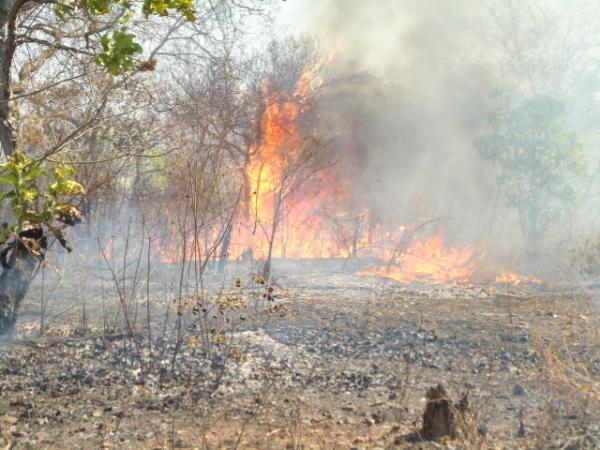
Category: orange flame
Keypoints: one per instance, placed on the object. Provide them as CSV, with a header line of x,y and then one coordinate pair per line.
x,y
301,229
429,260
316,221
508,277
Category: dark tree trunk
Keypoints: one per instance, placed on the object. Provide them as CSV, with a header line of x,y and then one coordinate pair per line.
x,y
20,266
267,266
533,233
438,418
356,237
14,284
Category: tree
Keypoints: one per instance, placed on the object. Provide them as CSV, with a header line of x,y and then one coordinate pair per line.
x,y
550,48
215,111
537,156
290,149
98,30
37,213
257,115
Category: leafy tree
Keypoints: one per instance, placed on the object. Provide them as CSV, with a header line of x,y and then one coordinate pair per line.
x,y
40,206
100,27
38,193
537,157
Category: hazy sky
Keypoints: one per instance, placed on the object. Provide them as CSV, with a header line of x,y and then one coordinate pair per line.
x,y
298,15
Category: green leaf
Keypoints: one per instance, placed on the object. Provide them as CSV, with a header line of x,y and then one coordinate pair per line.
x,y
7,195
34,173
7,178
71,187
5,234
118,50
29,195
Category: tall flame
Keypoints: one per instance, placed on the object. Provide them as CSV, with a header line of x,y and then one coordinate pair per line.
x,y
275,201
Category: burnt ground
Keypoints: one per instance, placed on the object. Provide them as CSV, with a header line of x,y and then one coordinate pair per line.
x,y
347,366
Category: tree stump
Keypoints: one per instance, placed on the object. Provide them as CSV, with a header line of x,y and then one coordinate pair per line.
x,y
438,418
443,417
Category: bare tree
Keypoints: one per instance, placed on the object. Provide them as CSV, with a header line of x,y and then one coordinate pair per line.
x,y
291,149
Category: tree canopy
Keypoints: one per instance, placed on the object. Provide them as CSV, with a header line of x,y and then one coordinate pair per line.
x,y
537,155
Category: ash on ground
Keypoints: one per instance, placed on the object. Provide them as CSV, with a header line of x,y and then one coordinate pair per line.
x,y
340,361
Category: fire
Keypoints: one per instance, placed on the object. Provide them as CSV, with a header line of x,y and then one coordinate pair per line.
x,y
282,204
291,212
508,277
315,220
429,260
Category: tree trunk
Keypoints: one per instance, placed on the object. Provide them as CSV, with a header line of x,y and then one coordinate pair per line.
x,y
14,284
223,256
19,268
532,232
438,418
445,418
276,217
267,266
7,50
356,237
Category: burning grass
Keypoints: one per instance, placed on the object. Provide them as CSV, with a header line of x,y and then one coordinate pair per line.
x,y
429,260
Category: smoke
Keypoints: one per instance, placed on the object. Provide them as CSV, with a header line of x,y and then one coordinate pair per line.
x,y
425,101
428,71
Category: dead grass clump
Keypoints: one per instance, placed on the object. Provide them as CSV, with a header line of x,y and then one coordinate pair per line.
x,y
571,399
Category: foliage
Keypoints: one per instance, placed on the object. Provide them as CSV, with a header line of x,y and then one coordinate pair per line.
x,y
36,207
117,52
119,46
537,156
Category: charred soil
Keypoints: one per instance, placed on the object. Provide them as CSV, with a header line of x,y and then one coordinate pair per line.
x,y
348,366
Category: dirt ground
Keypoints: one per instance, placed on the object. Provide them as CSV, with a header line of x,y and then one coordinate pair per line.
x,y
343,362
